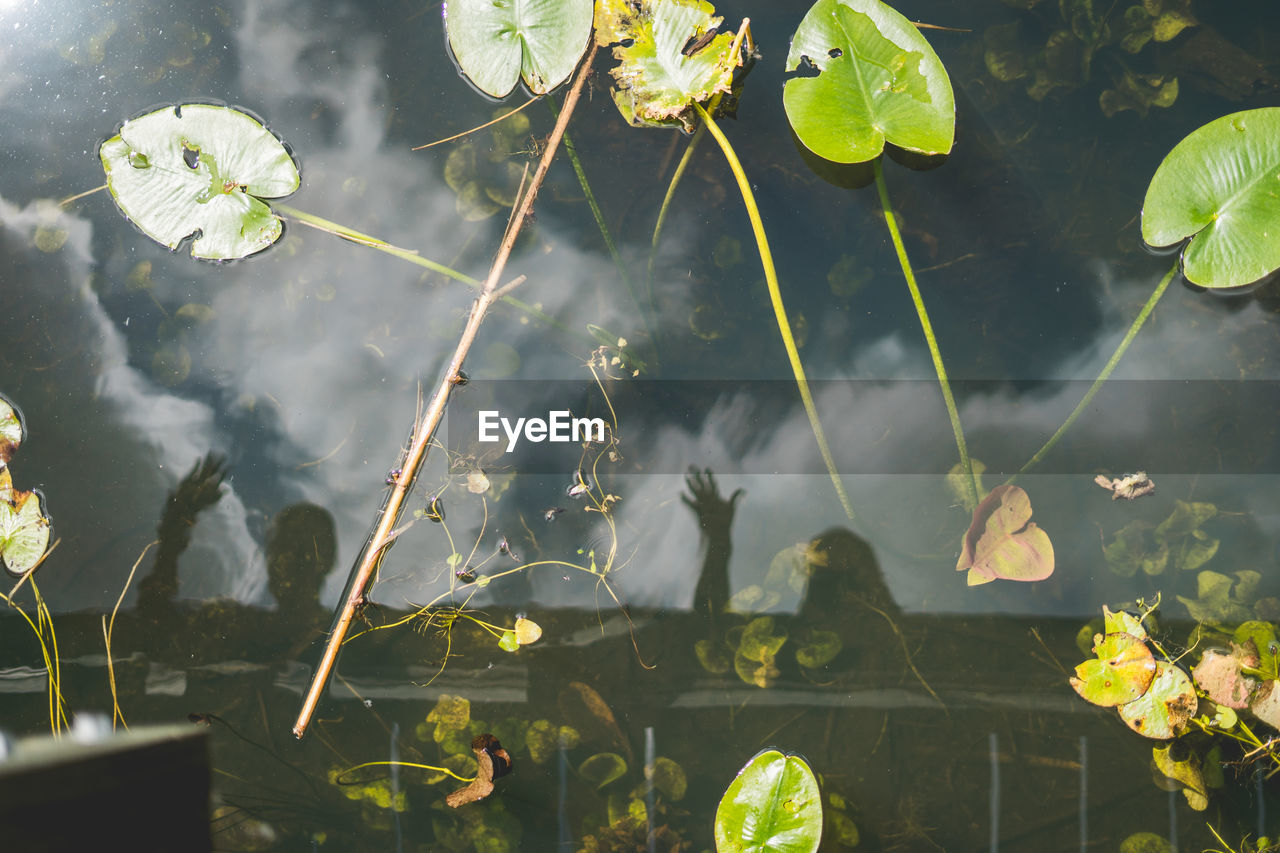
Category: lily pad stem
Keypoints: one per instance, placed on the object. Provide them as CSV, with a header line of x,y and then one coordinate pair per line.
x,y
779,310
666,201
966,466
602,225
1104,375
413,258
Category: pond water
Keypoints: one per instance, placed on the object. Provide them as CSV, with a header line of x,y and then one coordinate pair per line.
x,y
248,414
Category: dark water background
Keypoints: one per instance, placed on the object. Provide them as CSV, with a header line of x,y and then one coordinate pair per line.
x,y
300,369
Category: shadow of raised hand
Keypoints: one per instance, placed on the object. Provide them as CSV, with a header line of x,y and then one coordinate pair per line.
x,y
715,517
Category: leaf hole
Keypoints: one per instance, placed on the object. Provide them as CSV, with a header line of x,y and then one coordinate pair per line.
x,y
190,156
627,42
806,68
835,53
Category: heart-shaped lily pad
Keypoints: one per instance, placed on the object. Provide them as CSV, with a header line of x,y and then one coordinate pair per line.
x,y
670,57
1221,187
1003,542
199,169
878,80
24,527
1163,711
1123,671
10,431
773,804
498,42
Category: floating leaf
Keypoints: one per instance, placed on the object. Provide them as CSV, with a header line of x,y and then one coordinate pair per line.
x,y
203,170
1265,704
657,82
1121,673
24,529
508,642
1220,187
1163,711
1122,622
773,804
1219,675
603,768
10,431
527,631
878,80
499,43
1002,541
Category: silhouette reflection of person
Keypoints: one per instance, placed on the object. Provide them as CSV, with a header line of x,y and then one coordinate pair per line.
x,y
301,548
844,575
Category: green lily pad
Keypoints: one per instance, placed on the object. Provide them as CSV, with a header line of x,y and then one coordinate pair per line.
x,y
544,738
602,768
773,804
713,655
1220,187
757,652
1123,671
657,82
498,42
1146,842
1122,622
10,431
24,528
878,81
198,169
1163,711
1003,542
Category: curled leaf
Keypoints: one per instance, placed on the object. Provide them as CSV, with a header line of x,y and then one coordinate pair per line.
x,y
494,762
1003,542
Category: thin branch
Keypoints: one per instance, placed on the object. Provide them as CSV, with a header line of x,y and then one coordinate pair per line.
x,y
378,542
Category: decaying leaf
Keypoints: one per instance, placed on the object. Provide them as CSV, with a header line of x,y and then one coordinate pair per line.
x,y
1187,769
10,431
1265,703
1219,675
494,763
1003,542
584,708
1163,711
1130,486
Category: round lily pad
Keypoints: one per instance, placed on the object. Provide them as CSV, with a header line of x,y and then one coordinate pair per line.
x,y
1121,673
773,804
1220,187
498,43
24,532
202,170
1163,711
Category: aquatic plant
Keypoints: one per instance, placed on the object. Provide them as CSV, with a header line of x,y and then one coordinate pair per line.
x,y
773,804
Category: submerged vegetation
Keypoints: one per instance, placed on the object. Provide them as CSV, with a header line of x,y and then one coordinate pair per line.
x,y
863,82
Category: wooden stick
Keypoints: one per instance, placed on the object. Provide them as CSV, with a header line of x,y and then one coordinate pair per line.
x,y
381,539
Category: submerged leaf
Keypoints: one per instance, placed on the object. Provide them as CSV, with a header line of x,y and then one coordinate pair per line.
x,y
661,72
1002,541
603,768
773,804
499,43
1218,187
200,169
878,81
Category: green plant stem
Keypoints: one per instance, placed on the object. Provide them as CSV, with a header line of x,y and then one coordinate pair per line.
x,y
779,311
1104,375
414,258
571,150
685,160
966,466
